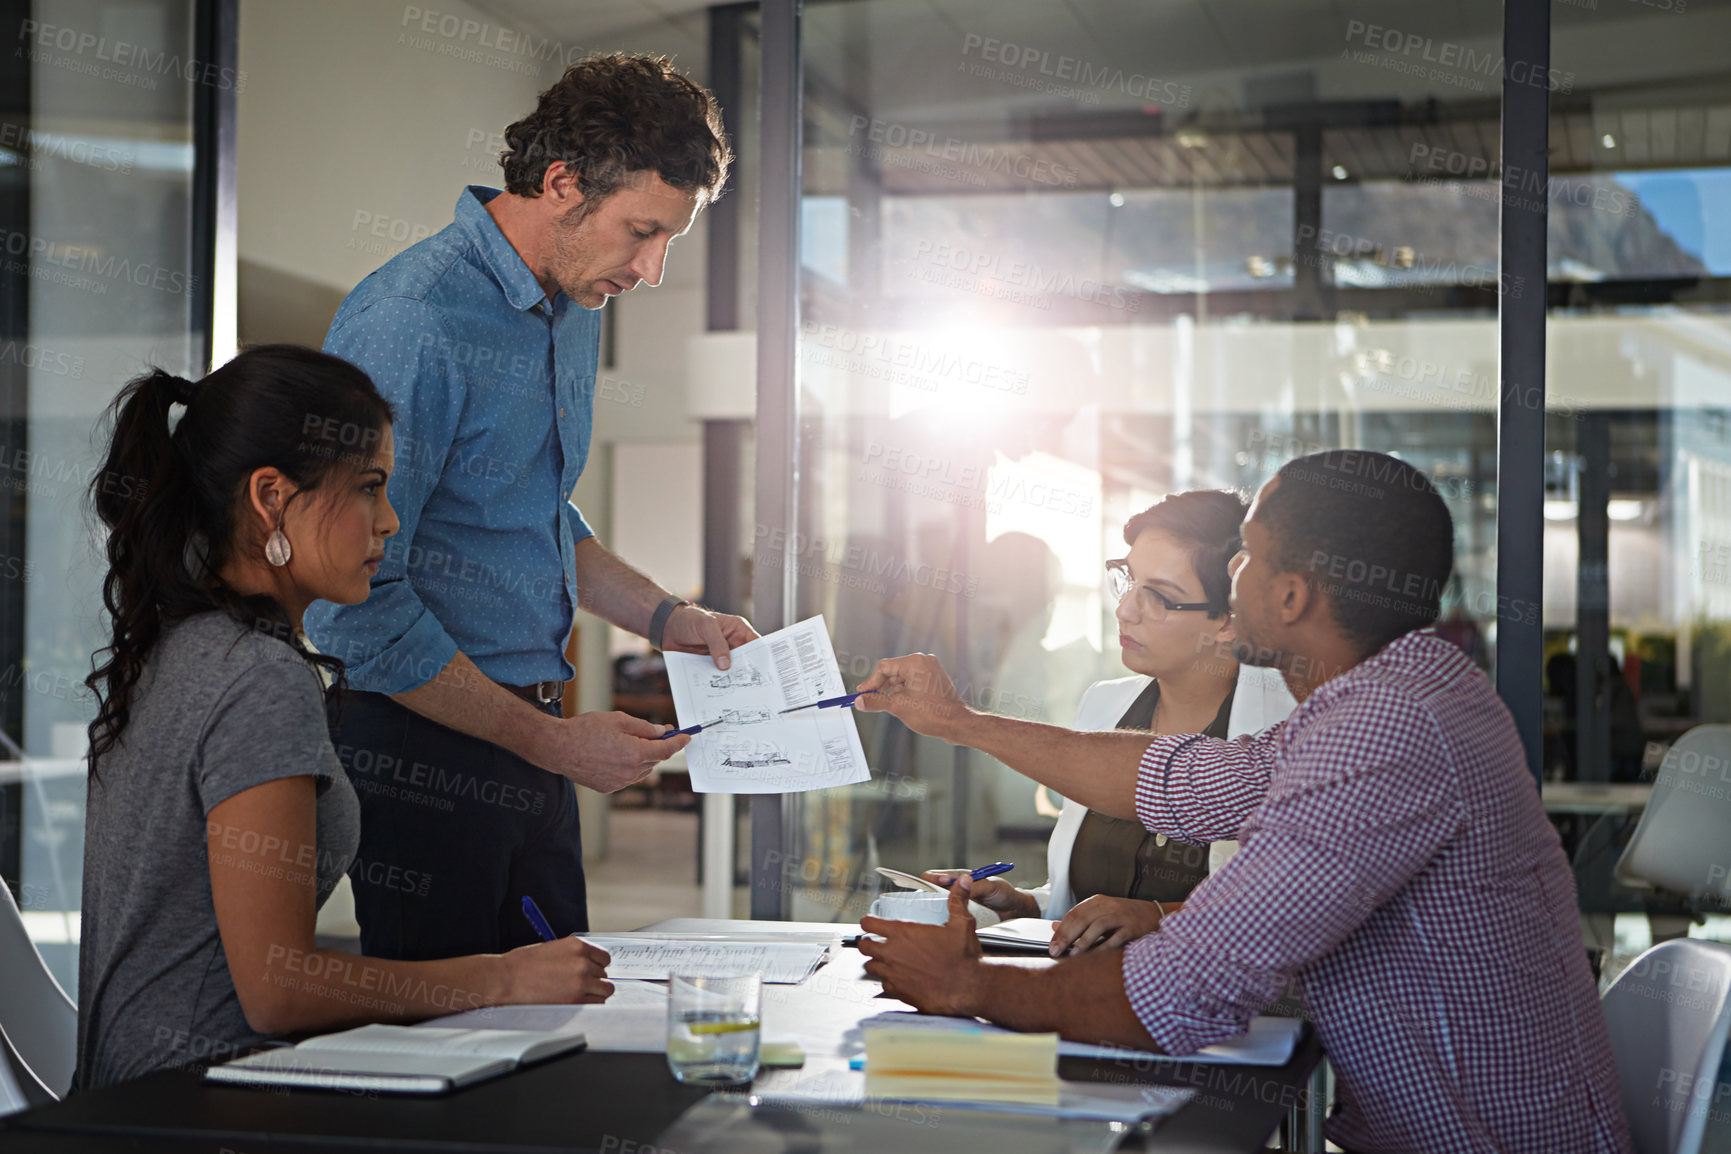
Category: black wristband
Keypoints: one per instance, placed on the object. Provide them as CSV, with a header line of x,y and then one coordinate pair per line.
x,y
658,620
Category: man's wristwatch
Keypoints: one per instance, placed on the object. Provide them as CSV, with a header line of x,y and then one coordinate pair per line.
x,y
658,621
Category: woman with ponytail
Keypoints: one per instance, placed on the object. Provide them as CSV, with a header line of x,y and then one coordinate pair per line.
x,y
219,817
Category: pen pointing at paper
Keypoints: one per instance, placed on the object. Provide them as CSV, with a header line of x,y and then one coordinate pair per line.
x,y
830,702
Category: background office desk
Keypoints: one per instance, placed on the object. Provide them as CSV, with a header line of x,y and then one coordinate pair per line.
x,y
1595,798
609,1103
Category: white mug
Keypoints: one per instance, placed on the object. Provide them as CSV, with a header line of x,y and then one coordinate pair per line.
x,y
906,906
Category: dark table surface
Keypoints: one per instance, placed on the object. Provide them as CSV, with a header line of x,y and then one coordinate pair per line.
x,y
608,1103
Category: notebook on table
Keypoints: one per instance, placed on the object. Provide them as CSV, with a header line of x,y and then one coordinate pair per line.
x,y
1028,935
396,1059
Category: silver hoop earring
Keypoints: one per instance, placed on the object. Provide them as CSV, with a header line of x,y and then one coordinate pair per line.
x,y
276,549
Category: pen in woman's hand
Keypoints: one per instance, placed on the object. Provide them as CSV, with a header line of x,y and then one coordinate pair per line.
x,y
985,871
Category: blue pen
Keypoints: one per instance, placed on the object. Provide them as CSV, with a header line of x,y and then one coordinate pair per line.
x,y
828,702
688,730
986,871
533,913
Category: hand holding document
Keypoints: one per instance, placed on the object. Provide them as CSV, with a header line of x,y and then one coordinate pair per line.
x,y
916,691
759,730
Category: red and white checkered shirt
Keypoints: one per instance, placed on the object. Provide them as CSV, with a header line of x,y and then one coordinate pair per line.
x,y
1398,868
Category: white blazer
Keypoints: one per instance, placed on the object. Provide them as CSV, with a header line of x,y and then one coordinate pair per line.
x,y
1261,700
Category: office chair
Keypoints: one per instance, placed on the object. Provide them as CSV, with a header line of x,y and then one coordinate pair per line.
x,y
1679,844
19,1088
35,1013
1668,1016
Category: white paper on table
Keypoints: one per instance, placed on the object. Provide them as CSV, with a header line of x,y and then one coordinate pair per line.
x,y
638,1028
1268,1041
636,992
756,748
832,1083
658,958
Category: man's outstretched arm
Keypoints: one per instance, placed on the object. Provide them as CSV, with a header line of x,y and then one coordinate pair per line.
x,y
1199,793
1097,769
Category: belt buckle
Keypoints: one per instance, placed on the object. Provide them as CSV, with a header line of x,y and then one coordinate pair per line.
x,y
548,692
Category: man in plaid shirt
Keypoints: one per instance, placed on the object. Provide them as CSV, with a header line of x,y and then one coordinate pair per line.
x,y
1396,866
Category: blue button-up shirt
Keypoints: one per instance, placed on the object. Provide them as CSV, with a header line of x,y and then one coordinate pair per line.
x,y
494,388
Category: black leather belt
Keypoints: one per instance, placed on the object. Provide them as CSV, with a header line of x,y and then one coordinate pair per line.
x,y
540,693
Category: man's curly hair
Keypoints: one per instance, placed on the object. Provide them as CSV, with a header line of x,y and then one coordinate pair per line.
x,y
613,115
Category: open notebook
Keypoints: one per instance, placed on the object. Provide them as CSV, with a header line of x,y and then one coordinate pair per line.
x,y
1029,935
395,1059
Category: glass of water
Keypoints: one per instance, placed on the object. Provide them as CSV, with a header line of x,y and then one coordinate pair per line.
x,y
712,1028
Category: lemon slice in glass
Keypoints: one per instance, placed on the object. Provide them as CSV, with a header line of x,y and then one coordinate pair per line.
x,y
720,1027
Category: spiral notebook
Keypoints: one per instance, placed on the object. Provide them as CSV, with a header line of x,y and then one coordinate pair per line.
x,y
396,1059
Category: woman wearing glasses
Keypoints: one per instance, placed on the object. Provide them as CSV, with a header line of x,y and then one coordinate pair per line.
x,y
1109,879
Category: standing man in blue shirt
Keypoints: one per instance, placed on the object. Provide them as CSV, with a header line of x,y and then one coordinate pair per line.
x,y
484,337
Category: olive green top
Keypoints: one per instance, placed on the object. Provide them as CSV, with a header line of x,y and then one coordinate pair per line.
x,y
1118,857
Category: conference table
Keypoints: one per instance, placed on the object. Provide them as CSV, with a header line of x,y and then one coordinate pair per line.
x,y
628,1103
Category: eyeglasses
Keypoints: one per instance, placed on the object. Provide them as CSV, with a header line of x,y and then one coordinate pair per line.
x,y
1151,604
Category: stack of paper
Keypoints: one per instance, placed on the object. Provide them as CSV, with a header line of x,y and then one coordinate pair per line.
x,y
932,1066
1267,1042
829,1083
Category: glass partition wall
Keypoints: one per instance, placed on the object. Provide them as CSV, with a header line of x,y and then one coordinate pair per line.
x,y
1637,553
104,273
1057,262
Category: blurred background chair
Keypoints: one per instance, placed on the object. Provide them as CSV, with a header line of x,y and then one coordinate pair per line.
x,y
1683,841
39,1021
20,1089
1668,1015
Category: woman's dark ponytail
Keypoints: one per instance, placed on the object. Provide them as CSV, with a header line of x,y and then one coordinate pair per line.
x,y
168,488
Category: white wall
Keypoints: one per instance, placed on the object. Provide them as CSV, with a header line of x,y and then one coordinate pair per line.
x,y
359,130
357,134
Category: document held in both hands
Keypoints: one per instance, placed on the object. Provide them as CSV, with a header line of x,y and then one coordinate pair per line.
x,y
395,1059
759,733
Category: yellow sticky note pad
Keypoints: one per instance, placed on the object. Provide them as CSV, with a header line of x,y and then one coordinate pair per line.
x,y
925,1064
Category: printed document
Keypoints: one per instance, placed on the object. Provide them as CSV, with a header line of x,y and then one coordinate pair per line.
x,y
635,956
748,745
